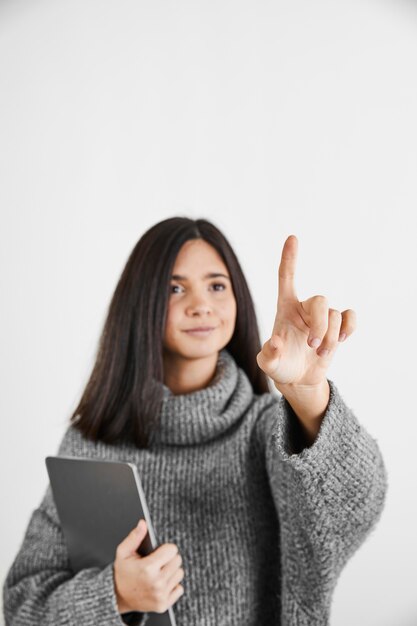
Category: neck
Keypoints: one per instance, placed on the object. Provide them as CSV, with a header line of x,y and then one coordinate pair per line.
x,y
184,375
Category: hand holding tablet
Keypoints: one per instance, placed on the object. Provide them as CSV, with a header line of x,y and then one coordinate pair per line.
x,y
99,504
149,583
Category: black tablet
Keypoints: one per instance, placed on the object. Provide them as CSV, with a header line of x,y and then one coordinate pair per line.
x,y
98,503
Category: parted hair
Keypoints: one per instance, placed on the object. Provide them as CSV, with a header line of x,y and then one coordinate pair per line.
x,y
120,400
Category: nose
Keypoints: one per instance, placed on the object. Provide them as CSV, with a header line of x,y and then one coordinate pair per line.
x,y
198,307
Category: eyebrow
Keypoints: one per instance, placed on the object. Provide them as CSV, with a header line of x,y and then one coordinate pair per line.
x,y
207,276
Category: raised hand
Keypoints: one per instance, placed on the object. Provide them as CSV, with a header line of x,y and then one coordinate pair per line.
x,y
305,335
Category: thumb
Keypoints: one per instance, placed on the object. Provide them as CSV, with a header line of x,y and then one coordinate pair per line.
x,y
128,547
271,351
274,347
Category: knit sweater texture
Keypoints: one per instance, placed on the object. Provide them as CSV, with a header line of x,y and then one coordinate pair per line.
x,y
264,524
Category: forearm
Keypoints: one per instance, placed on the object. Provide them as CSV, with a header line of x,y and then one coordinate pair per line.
x,y
333,492
40,588
41,600
309,404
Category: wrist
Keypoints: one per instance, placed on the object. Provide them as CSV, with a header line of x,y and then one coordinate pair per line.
x,y
122,606
309,403
298,390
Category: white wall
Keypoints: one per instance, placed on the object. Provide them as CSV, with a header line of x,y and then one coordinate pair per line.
x,y
269,118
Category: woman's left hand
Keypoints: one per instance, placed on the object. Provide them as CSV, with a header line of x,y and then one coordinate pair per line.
x,y
290,357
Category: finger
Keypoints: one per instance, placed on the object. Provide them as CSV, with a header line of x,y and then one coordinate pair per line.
x,y
176,593
163,554
286,270
318,311
271,349
274,346
330,339
175,578
170,568
348,324
131,543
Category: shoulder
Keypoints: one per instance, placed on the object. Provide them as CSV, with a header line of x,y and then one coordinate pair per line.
x,y
74,443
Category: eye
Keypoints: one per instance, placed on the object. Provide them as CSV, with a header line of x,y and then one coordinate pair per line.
x,y
221,285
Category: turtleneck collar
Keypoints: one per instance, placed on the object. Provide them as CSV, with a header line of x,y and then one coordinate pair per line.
x,y
202,415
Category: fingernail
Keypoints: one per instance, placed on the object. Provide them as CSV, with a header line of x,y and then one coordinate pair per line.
x,y
323,352
342,337
315,343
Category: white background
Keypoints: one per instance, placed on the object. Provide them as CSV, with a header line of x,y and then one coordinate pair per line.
x,y
268,118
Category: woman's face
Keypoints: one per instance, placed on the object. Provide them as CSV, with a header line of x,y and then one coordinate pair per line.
x,y
199,300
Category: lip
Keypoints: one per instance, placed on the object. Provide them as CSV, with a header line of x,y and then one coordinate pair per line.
x,y
199,329
199,332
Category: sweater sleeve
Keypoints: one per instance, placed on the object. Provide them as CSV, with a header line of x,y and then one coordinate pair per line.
x,y
328,496
42,590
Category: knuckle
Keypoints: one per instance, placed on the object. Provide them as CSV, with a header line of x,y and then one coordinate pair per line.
x,y
349,318
353,322
173,547
149,570
335,323
335,313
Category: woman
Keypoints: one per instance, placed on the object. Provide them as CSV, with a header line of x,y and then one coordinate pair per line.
x,y
258,499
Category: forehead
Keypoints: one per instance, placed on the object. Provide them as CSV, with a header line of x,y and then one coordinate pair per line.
x,y
196,254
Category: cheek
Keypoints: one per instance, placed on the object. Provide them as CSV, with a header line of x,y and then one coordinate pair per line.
x,y
229,311
170,320
174,319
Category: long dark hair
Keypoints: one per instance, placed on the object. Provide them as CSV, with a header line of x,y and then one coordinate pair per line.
x,y
120,400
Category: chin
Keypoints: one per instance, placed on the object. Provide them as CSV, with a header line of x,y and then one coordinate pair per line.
x,y
200,350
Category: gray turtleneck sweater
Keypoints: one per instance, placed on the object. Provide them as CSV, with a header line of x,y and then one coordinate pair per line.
x,y
264,525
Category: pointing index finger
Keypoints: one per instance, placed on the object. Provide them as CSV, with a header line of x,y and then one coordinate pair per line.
x,y
286,271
